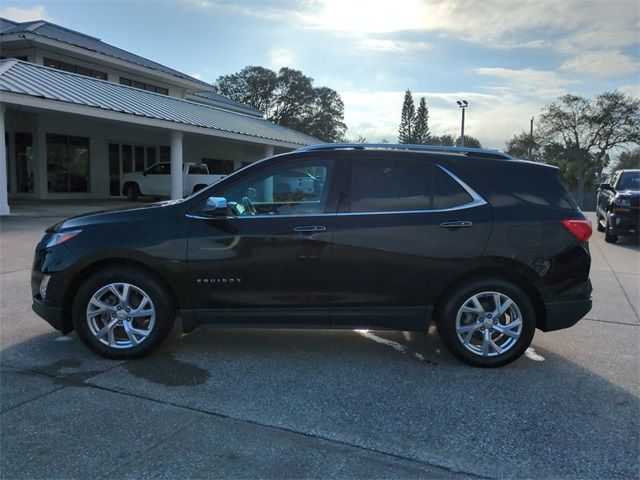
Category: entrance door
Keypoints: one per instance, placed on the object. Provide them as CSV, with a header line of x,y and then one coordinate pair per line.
x,y
269,259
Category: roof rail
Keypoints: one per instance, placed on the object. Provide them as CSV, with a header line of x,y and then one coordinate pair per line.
x,y
406,146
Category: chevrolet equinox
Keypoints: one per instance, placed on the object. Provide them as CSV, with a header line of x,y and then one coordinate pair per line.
x,y
331,236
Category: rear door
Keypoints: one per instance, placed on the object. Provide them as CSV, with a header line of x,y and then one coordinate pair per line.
x,y
404,229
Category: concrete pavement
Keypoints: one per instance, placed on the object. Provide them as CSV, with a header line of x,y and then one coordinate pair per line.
x,y
317,404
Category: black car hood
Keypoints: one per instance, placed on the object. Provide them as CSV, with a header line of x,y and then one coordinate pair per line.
x,y
112,215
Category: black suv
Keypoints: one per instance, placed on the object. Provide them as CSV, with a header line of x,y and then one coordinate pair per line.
x,y
618,205
331,236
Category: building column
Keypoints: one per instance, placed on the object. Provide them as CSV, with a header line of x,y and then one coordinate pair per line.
x,y
176,165
4,200
268,184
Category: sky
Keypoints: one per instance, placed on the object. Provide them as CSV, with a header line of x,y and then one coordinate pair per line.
x,y
507,58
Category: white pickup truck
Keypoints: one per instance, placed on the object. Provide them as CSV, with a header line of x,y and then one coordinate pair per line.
x,y
155,181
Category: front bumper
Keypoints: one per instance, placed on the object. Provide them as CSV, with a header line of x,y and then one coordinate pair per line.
x,y
625,223
565,314
55,316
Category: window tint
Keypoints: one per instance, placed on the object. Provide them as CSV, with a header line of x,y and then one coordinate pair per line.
x,y
160,169
629,181
298,188
198,169
447,193
392,185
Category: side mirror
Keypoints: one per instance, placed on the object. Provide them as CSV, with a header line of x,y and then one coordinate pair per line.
x,y
605,186
215,207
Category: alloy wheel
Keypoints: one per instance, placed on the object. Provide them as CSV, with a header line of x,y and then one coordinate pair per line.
x,y
121,315
489,324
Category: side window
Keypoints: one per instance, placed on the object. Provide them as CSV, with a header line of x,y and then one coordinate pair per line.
x,y
160,169
198,169
393,185
447,193
295,188
390,185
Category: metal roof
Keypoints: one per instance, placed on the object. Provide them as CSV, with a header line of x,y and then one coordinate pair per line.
x,y
33,80
225,102
82,40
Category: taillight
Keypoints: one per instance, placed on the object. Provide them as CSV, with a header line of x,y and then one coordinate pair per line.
x,y
581,229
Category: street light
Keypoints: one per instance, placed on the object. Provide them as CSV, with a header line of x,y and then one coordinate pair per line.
x,y
463,104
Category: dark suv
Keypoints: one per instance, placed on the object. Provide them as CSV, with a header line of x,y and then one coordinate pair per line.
x,y
618,205
331,236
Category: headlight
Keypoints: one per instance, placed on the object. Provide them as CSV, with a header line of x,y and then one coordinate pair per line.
x,y
61,237
622,201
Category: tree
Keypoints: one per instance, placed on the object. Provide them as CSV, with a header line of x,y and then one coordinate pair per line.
x,y
288,98
519,146
421,132
443,140
251,85
583,133
627,160
469,141
407,119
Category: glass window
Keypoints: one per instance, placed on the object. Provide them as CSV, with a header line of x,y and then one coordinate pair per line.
x,y
389,185
198,169
393,185
151,156
127,158
114,169
219,167
139,151
629,181
165,154
299,188
162,91
160,169
125,81
25,162
447,193
67,163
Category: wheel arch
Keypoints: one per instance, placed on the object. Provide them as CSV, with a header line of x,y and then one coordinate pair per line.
x,y
129,183
509,270
93,267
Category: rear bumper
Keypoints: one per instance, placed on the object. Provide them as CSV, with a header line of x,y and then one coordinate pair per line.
x,y
55,316
564,314
623,223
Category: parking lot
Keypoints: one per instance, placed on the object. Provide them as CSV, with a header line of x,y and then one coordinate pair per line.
x,y
319,404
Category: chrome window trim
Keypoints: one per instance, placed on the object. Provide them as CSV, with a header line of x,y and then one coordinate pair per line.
x,y
476,201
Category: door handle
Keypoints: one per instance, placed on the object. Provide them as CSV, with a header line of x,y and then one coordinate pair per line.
x,y
456,224
309,229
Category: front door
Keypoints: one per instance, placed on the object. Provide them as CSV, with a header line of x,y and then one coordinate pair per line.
x,y
158,179
269,260
406,228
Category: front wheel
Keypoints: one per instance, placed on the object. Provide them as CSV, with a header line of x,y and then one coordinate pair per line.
x,y
608,236
122,312
132,192
487,323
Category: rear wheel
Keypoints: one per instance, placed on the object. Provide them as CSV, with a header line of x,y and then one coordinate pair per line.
x,y
487,323
122,312
132,192
608,236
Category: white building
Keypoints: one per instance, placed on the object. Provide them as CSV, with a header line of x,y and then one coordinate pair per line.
x,y
78,113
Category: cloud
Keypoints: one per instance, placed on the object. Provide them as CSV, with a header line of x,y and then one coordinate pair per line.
x,y
197,75
604,63
393,46
281,57
528,81
633,90
18,14
491,118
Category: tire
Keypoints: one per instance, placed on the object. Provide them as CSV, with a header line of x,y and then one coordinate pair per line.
x,y
599,225
151,325
473,352
132,192
608,236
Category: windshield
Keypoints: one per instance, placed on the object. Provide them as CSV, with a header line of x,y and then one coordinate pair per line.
x,y
629,181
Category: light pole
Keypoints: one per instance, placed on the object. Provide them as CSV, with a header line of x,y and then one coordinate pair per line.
x,y
530,138
463,104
